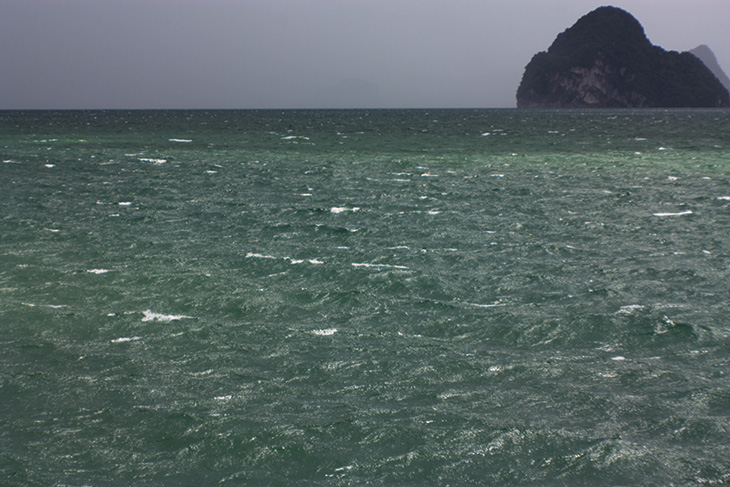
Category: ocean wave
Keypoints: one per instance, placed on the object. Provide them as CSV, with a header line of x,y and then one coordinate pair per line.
x,y
151,316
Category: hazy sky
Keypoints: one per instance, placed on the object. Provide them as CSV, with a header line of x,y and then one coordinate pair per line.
x,y
303,53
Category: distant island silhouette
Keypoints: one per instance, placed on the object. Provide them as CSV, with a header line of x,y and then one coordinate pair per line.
x,y
605,60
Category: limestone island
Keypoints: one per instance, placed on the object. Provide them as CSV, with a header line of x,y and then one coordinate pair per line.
x,y
606,61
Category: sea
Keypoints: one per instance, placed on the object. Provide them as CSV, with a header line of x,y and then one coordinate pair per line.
x,y
365,298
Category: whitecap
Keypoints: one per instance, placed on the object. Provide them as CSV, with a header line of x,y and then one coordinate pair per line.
x,y
293,137
325,332
49,165
259,256
154,161
630,308
723,198
150,316
181,140
378,266
97,271
429,175
315,261
491,305
125,203
618,358
125,339
342,209
681,213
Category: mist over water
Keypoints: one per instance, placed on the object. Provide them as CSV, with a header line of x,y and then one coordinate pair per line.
x,y
349,297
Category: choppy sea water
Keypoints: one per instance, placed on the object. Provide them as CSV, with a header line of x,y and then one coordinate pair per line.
x,y
428,297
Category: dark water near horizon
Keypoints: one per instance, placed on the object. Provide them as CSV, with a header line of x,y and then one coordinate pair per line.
x,y
365,297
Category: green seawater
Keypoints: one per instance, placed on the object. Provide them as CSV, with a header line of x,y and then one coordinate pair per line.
x,y
365,297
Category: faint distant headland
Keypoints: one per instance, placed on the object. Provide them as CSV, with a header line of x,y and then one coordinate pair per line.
x,y
606,61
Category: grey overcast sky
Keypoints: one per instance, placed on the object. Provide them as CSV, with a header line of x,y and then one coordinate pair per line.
x,y
303,53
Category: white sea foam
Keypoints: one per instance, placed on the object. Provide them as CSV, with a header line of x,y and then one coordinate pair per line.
x,y
181,140
723,198
618,358
300,261
50,165
495,304
342,209
630,308
325,332
125,339
293,137
154,161
681,213
150,316
97,271
125,203
378,266
253,255
429,175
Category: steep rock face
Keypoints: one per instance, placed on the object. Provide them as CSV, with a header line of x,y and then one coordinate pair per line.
x,y
606,61
708,57
580,87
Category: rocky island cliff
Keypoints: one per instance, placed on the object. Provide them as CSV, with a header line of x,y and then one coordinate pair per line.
x,y
708,57
605,60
